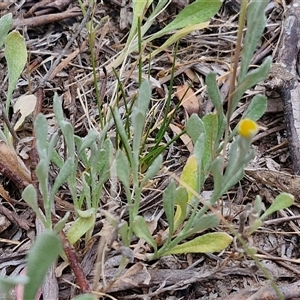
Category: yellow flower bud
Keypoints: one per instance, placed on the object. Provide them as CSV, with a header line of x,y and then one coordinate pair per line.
x,y
247,128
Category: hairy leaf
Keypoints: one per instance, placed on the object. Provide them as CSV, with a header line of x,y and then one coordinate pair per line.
x,y
207,243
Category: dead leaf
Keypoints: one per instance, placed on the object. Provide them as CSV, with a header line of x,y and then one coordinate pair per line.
x,y
184,137
137,276
188,99
191,75
25,105
11,167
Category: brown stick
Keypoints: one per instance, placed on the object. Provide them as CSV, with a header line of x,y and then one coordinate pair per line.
x,y
74,264
42,20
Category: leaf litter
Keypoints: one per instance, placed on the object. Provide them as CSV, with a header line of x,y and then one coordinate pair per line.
x,y
195,276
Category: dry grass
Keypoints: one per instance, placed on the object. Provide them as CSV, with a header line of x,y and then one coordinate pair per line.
x,y
177,277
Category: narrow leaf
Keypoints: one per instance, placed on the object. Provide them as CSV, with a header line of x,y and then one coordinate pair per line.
x,y
168,204
194,127
181,206
30,197
282,201
252,78
153,169
123,168
189,175
207,243
86,297
141,230
213,90
65,171
138,121
256,108
7,283
202,223
177,36
256,22
88,140
211,130
139,8
6,23
79,227
144,96
197,12
42,255
16,57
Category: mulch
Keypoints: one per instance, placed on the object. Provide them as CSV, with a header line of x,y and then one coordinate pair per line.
x,y
59,61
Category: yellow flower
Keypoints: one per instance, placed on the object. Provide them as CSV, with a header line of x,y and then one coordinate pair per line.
x,y
247,128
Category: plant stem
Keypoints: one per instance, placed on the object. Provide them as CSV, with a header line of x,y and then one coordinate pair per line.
x,y
242,19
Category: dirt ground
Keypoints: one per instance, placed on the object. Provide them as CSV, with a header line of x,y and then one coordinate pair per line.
x,y
48,26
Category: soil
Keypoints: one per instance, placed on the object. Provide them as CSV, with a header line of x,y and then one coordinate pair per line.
x,y
55,67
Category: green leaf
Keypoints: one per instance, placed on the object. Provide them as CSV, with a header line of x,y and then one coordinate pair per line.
x,y
122,133
6,23
211,130
207,243
217,172
30,197
195,13
194,127
282,201
153,169
79,227
86,213
123,231
86,297
189,176
88,140
168,204
64,173
202,223
7,283
176,37
213,90
138,122
139,9
144,96
215,96
123,168
181,202
68,132
256,224
199,150
42,171
252,78
16,57
42,255
256,108
59,114
103,159
41,132
256,22
141,230
61,223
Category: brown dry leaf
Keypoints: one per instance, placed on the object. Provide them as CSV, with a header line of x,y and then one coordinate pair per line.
x,y
137,276
25,105
184,137
188,99
191,75
4,194
11,166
